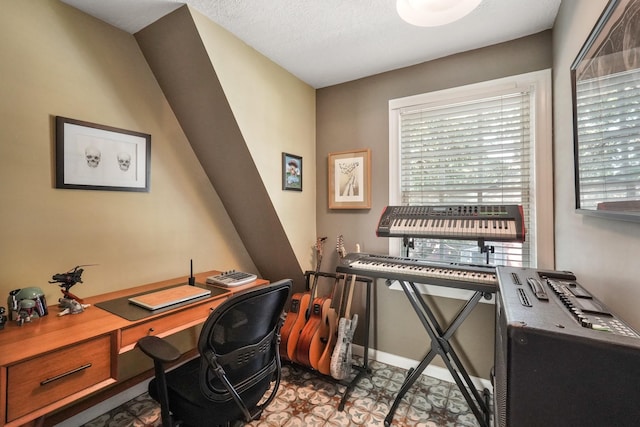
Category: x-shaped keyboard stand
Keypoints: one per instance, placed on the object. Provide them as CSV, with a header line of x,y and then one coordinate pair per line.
x,y
440,346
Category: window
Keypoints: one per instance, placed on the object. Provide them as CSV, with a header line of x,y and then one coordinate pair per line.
x,y
488,143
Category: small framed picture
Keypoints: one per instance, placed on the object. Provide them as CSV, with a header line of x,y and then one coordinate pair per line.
x,y
291,172
90,156
350,179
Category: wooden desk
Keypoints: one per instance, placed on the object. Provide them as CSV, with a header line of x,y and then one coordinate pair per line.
x,y
54,361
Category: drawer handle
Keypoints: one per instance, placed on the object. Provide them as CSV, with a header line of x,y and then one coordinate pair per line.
x,y
58,377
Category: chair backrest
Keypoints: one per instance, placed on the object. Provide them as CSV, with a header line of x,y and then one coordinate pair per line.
x,y
239,337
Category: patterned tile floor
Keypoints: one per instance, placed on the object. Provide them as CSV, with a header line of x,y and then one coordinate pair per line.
x,y
308,399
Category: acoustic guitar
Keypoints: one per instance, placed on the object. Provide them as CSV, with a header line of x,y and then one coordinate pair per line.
x,y
305,350
341,357
321,338
331,328
296,318
293,324
331,319
314,315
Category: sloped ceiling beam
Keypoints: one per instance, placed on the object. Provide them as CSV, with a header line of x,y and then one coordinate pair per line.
x,y
178,58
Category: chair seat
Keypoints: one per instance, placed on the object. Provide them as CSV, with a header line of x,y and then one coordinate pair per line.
x,y
195,409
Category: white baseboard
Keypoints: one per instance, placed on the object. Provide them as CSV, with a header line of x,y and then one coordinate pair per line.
x,y
358,350
431,370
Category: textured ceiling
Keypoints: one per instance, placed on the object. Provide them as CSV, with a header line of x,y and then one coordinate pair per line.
x,y
326,42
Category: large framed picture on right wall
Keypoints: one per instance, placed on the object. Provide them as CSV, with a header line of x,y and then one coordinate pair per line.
x,y
606,115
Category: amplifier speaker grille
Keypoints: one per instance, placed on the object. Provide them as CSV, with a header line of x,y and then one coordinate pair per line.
x,y
500,370
542,379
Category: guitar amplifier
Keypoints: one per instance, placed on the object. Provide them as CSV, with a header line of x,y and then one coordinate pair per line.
x,y
562,358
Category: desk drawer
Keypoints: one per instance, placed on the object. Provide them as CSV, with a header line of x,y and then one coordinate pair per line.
x,y
174,321
43,380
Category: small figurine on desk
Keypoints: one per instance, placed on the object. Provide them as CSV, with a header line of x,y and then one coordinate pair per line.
x,y
70,306
68,279
20,309
3,318
26,304
69,303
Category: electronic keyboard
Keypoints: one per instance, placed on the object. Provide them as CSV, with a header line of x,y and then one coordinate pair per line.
x,y
454,275
503,223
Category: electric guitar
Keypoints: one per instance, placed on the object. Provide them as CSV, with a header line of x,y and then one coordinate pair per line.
x,y
341,358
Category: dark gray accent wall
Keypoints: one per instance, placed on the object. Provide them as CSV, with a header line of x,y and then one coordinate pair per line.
x,y
355,115
177,56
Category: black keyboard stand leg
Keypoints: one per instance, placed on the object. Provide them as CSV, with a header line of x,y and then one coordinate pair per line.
x,y
440,345
410,379
477,404
487,401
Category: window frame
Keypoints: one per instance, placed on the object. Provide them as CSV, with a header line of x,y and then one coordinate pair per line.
x,y
539,83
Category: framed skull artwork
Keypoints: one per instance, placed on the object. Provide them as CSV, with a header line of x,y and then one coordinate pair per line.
x,y
90,156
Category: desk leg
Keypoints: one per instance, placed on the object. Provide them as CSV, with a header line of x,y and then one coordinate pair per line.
x,y
440,345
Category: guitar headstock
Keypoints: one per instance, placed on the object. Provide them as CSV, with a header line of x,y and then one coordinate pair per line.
x,y
342,252
319,249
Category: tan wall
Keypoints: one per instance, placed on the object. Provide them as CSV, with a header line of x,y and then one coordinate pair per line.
x,y
355,115
275,112
59,61
603,253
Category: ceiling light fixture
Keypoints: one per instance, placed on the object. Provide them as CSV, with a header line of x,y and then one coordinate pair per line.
x,y
433,13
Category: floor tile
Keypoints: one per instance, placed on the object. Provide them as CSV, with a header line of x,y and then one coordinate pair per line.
x,y
306,398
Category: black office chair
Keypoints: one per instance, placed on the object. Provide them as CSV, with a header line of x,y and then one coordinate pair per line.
x,y
238,361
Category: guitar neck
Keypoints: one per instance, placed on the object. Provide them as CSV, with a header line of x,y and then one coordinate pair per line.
x,y
347,313
341,300
332,294
340,247
318,246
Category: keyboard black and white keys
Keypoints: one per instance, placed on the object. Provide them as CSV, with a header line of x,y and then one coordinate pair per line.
x,y
454,275
504,223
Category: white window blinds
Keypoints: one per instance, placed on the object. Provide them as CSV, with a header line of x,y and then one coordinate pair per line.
x,y
477,152
608,133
